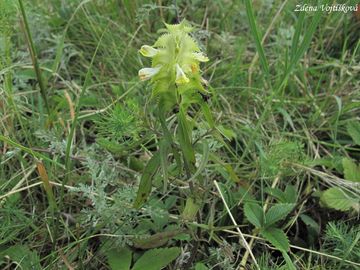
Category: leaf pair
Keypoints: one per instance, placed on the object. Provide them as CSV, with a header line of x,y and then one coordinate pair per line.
x,y
266,221
154,259
255,214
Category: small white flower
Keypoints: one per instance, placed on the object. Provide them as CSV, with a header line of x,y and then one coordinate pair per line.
x,y
180,75
148,51
147,73
200,57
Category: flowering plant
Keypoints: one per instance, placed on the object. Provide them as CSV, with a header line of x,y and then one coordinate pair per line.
x,y
176,83
175,70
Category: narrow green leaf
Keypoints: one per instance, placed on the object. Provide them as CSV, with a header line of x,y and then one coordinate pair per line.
x,y
257,38
254,213
277,212
207,113
353,128
287,117
351,170
276,237
185,137
29,150
290,265
156,240
119,258
157,259
306,40
169,138
310,222
204,161
164,148
34,58
338,199
146,180
296,38
298,50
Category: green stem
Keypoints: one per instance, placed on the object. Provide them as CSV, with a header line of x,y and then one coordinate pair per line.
x,y
34,58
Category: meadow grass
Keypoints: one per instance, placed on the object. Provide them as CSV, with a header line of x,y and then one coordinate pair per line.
x,y
77,130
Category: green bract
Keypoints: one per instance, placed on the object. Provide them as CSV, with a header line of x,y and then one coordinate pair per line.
x,y
175,64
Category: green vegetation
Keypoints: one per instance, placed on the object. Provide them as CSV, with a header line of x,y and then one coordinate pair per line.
x,y
241,152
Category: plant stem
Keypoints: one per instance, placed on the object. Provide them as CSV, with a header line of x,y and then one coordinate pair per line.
x,y
34,58
246,255
242,238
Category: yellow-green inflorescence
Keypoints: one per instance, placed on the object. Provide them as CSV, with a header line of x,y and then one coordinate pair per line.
x,y
175,66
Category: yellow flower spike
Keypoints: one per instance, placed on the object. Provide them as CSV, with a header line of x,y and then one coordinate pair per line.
x,y
148,51
179,56
200,57
148,73
180,75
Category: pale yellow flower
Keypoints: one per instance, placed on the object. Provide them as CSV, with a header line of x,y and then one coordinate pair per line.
x,y
148,51
199,56
180,75
148,73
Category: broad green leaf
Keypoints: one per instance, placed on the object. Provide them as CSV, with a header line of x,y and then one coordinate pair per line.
x,y
190,210
351,170
353,128
290,194
22,256
338,199
254,213
146,180
200,266
277,212
157,259
119,258
276,237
